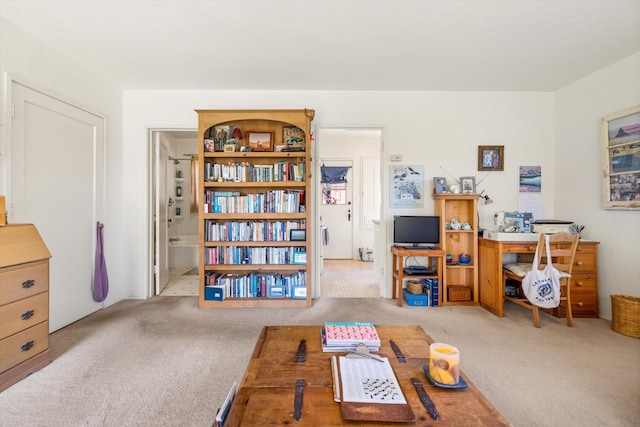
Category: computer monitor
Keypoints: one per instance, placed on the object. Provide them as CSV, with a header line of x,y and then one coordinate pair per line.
x,y
416,231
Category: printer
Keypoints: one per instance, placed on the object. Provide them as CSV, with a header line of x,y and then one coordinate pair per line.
x,y
551,226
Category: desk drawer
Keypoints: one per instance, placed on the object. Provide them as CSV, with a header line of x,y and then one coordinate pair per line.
x,y
525,247
584,263
21,346
585,282
582,305
24,280
23,314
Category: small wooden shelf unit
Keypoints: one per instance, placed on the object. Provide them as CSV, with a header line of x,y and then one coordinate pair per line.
x,y
455,242
434,261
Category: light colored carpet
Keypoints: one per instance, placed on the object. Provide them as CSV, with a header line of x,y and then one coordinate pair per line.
x,y
345,278
164,362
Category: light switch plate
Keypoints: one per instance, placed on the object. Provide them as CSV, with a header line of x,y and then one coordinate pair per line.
x,y
395,157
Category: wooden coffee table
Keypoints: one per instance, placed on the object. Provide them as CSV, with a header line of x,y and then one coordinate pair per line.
x,y
266,394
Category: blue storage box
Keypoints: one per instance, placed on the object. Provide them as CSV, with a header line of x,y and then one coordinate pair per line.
x,y
214,293
415,299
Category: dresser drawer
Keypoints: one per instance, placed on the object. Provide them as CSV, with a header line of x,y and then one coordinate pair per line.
x,y
582,305
584,263
23,314
23,280
21,346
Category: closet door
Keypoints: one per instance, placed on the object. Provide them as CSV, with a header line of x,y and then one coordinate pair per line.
x,y
56,182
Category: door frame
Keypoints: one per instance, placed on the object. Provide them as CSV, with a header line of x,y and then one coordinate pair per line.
x,y
381,252
152,162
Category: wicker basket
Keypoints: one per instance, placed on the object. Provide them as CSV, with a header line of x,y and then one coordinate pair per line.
x,y
414,287
625,313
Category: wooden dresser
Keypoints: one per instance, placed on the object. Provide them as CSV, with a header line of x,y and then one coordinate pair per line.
x,y
24,303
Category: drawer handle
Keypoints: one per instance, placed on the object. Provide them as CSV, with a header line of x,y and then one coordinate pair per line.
x,y
530,248
580,304
28,283
579,284
27,346
579,263
27,315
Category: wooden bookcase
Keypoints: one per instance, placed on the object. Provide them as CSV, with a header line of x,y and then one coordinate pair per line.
x,y
455,242
265,271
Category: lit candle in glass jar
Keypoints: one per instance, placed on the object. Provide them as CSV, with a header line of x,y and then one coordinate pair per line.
x,y
444,363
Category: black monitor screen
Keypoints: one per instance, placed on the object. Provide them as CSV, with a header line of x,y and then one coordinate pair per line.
x,y
416,230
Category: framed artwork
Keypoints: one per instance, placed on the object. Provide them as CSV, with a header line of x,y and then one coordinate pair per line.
x,y
293,138
467,184
440,184
298,235
260,141
245,149
406,189
620,134
490,157
299,257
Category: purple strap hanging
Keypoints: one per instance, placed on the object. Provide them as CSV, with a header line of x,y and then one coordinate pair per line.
x,y
100,278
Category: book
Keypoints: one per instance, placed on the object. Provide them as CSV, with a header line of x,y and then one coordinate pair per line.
x,y
224,409
343,336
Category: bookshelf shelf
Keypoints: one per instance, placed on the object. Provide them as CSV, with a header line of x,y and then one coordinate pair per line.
x,y
245,194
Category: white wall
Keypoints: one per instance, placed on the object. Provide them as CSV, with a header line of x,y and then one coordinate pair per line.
x,y
32,63
435,129
580,107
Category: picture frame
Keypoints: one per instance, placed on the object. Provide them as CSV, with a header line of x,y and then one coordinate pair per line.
x,y
406,186
245,149
490,157
620,136
440,184
299,257
467,184
229,147
293,138
220,134
260,140
298,235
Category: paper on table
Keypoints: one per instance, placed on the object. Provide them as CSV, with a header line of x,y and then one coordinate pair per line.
x,y
369,381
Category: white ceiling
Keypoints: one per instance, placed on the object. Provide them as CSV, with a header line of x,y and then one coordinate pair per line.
x,y
483,45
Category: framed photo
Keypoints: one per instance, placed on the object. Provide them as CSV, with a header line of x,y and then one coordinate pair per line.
x,y
440,184
467,184
245,149
620,134
298,235
229,147
280,147
260,141
299,257
490,157
293,138
220,135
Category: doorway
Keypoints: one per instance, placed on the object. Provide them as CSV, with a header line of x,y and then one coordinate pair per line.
x,y
174,234
347,210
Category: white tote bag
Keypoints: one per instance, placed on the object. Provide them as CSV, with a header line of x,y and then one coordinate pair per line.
x,y
542,287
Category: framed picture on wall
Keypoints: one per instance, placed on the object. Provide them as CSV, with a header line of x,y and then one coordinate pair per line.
x,y
620,134
491,157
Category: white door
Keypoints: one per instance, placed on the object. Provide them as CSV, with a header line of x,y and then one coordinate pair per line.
x,y
56,182
161,242
336,210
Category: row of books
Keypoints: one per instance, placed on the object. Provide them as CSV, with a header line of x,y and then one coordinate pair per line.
x,y
236,255
430,287
246,172
258,285
272,201
345,336
250,231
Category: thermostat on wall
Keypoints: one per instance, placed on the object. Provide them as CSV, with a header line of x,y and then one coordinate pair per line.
x,y
395,158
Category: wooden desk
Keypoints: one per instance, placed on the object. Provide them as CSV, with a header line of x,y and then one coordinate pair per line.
x,y
265,395
398,254
584,280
